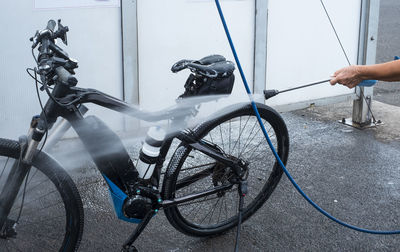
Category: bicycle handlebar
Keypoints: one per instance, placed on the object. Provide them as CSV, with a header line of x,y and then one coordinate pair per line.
x,y
50,33
54,64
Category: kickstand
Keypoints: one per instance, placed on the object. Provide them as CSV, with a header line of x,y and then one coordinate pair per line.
x,y
242,190
128,245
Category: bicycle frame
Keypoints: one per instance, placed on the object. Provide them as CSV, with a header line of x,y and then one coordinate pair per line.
x,y
133,197
115,164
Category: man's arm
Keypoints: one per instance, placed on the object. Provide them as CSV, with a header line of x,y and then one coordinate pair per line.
x,y
351,76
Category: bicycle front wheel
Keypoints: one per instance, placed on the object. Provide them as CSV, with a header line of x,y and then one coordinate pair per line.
x,y
237,134
47,214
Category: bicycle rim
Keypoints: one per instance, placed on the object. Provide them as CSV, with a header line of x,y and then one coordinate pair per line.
x,y
236,134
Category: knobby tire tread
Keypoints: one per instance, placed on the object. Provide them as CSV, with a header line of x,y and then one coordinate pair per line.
x,y
64,184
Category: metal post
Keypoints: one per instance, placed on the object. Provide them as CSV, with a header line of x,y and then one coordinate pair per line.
x,y
366,55
260,46
130,55
130,50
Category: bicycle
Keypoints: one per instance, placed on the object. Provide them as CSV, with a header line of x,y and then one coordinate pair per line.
x,y
202,193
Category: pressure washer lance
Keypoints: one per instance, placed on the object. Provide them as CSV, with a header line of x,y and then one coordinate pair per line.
x,y
272,92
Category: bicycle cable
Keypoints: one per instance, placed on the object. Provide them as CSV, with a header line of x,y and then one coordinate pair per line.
x,y
40,103
285,170
347,58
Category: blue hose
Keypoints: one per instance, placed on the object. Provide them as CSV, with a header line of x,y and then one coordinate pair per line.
x,y
273,149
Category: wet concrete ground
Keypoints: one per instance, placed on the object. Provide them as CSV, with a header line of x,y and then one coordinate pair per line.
x,y
352,174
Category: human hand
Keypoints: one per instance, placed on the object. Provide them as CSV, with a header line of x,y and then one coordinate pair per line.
x,y
348,76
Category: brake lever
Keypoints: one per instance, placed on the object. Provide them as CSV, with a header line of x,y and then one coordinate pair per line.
x,y
35,40
62,32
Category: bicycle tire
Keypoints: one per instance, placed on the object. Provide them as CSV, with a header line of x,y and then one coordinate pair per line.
x,y
177,215
39,235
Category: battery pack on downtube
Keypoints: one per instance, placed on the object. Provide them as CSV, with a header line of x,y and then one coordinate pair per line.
x,y
325,213
107,151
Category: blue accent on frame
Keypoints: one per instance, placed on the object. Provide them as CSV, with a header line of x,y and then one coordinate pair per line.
x,y
118,197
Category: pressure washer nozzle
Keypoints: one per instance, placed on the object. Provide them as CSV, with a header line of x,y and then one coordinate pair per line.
x,y
270,93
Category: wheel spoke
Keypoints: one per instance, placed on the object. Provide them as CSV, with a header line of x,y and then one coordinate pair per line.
x,y
208,213
222,138
248,141
43,208
193,178
4,168
34,200
230,132
240,132
44,199
238,136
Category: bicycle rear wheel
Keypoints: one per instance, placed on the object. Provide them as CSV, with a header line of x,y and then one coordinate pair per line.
x,y
47,214
236,133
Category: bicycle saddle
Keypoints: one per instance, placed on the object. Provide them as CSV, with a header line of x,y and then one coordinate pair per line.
x,y
213,66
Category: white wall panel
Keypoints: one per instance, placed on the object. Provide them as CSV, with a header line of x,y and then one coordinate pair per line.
x,y
302,47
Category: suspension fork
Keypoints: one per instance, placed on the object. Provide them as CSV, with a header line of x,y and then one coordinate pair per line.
x,y
18,172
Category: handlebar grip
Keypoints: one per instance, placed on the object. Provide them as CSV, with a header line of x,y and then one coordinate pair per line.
x,y
51,25
65,77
